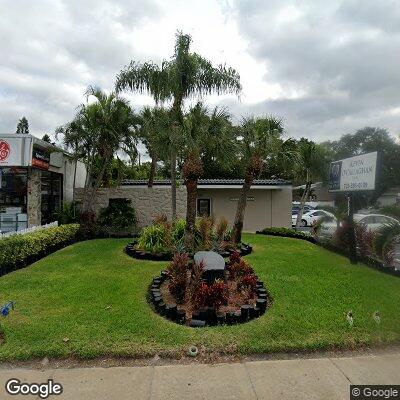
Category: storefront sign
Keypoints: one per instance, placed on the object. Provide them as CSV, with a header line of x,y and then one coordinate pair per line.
x,y
14,151
40,158
4,150
352,174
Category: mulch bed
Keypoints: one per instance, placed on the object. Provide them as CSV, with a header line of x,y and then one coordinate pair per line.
x,y
131,250
239,309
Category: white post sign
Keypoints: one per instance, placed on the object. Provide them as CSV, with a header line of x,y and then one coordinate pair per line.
x,y
353,174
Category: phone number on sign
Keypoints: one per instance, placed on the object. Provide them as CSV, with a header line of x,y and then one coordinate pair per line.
x,y
355,185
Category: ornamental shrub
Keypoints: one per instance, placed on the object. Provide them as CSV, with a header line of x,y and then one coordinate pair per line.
x,y
214,295
286,232
178,274
154,238
18,251
238,268
248,284
118,217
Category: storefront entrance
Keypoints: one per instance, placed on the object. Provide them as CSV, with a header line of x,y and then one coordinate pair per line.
x,y
51,195
13,199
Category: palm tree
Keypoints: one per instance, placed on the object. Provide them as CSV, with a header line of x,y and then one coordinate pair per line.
x,y
203,130
259,139
184,76
98,131
309,165
154,134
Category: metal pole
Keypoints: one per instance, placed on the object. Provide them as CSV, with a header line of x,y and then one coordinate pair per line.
x,y
352,236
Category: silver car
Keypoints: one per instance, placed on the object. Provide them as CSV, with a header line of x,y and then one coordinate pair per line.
x,y
373,222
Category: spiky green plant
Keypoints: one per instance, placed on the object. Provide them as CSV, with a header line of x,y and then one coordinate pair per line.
x,y
384,239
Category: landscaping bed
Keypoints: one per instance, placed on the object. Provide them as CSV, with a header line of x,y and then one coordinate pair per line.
x,y
187,294
90,300
134,252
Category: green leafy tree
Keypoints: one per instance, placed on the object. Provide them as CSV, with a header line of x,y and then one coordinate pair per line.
x,y
259,139
46,138
184,76
98,131
310,164
154,134
203,132
23,126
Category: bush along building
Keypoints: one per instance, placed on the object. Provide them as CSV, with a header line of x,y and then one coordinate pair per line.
x,y
35,178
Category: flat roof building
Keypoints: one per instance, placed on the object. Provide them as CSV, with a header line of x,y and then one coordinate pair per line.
x,y
269,202
35,178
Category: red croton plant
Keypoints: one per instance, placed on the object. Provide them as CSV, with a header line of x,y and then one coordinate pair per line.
x,y
186,282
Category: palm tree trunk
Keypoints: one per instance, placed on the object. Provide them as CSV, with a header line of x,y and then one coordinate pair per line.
x,y
152,170
73,188
191,187
173,184
176,124
241,207
89,204
302,203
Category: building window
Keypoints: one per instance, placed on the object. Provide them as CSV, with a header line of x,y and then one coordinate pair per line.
x,y
203,207
13,198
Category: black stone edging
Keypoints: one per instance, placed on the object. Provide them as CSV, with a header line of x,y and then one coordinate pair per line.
x,y
207,316
370,262
144,255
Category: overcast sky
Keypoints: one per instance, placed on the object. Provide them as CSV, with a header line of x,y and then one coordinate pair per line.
x,y
326,67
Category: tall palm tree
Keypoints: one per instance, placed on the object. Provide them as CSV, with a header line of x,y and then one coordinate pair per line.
x,y
309,165
203,130
184,76
154,134
259,139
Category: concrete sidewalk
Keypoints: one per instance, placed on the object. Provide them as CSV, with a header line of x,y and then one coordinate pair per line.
x,y
322,378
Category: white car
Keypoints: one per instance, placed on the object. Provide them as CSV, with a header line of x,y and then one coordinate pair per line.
x,y
312,216
373,222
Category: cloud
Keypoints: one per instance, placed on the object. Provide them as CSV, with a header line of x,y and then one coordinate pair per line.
x,y
326,68
337,63
55,49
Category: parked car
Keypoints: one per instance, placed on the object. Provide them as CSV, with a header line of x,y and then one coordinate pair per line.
x,y
312,216
296,208
373,222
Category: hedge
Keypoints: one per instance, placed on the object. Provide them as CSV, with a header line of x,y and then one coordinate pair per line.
x,y
286,232
18,251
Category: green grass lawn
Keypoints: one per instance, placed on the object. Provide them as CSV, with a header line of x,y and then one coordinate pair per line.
x,y
95,295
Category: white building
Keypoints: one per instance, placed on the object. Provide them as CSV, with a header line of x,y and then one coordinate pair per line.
x,y
35,178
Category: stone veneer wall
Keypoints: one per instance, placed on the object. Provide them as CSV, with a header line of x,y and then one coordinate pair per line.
x,y
34,197
148,202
